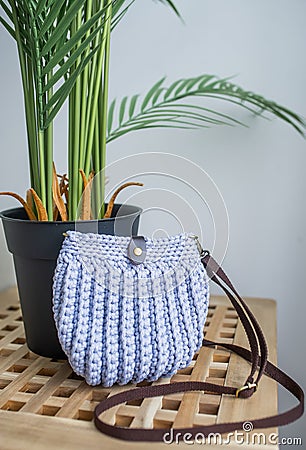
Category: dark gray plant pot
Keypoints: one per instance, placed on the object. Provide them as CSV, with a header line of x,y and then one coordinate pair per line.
x,y
35,247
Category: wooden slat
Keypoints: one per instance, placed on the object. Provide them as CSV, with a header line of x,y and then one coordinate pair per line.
x,y
21,380
75,401
10,319
11,336
190,403
144,417
39,399
110,415
13,357
50,433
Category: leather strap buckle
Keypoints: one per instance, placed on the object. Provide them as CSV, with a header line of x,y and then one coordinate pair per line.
x,y
245,387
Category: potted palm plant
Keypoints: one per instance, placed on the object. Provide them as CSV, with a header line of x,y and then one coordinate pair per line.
x,y
64,55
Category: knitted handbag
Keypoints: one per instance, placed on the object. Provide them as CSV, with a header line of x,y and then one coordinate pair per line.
x,y
129,309
133,309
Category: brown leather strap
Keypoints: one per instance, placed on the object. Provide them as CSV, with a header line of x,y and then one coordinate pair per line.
x,y
248,320
259,361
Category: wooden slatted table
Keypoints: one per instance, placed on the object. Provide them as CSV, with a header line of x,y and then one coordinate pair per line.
x,y
44,405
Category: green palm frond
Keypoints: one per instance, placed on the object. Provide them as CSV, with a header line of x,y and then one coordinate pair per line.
x,y
7,23
7,20
166,106
57,52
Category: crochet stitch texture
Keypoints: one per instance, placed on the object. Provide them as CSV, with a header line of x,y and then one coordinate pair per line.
x,y
118,322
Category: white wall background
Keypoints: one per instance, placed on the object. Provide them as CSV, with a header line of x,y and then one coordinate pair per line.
x,y
260,171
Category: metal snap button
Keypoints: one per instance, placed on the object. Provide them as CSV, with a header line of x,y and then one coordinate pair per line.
x,y
137,251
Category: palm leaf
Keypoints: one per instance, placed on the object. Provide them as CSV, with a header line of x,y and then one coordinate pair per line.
x,y
71,43
7,10
53,15
133,103
57,57
151,94
172,6
8,27
110,115
58,99
167,105
122,109
170,90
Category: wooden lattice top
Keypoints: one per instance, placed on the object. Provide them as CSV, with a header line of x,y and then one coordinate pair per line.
x,y
44,405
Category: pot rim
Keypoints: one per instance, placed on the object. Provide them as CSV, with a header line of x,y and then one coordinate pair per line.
x,y
4,216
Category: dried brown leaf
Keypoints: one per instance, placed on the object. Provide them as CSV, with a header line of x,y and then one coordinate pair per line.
x,y
111,203
59,202
28,210
86,197
62,185
41,210
30,202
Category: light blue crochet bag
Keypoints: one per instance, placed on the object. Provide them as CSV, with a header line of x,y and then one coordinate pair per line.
x,y
129,309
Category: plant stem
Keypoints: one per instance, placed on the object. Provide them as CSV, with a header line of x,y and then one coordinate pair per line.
x,y
90,134
41,147
40,104
28,95
84,90
104,106
77,118
31,129
97,165
49,160
93,80
74,127
70,155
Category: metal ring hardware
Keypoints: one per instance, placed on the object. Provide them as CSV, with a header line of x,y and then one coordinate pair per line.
x,y
244,388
